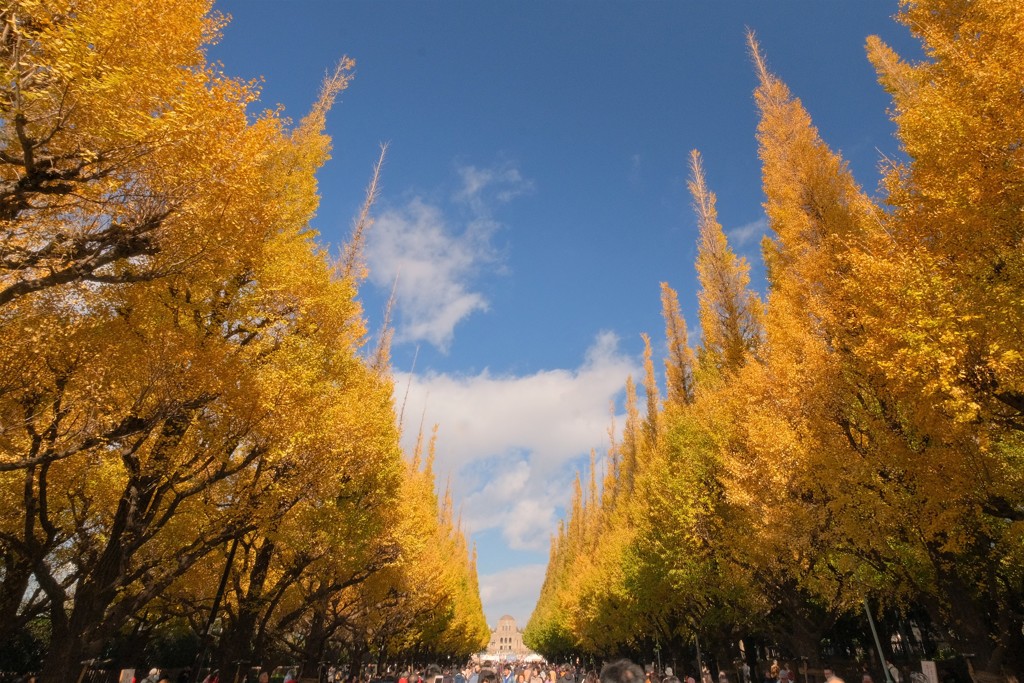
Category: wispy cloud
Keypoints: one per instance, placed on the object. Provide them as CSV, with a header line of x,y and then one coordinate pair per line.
x,y
437,253
435,267
509,441
747,233
481,187
635,165
513,591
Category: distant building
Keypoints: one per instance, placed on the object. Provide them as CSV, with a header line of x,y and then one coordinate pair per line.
x,y
507,640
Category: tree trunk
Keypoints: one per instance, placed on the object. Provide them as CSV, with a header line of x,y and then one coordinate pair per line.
x,y
16,574
312,652
237,640
967,622
75,641
82,634
76,638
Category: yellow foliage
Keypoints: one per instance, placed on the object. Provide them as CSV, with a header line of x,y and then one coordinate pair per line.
x,y
867,442
183,368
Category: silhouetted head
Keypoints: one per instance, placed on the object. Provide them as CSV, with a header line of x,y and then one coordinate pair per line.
x,y
622,671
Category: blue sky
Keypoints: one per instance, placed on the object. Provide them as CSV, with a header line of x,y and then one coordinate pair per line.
x,y
534,196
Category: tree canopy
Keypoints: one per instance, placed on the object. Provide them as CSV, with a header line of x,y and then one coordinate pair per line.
x,y
187,391
858,434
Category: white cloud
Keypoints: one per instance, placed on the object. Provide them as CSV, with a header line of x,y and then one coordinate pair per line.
x,y
493,494
508,440
437,258
530,523
512,591
434,266
552,414
499,184
748,232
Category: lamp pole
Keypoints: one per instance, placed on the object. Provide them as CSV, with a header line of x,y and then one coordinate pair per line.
x,y
878,643
700,664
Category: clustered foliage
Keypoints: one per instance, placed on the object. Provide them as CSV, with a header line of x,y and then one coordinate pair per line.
x,y
184,387
860,434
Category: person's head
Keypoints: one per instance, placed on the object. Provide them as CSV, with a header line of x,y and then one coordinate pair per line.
x,y
828,672
488,676
264,677
622,671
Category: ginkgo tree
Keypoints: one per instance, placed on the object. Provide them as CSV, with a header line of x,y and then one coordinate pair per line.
x,y
185,380
858,436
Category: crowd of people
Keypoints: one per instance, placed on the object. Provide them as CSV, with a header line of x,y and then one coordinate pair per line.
x,y
621,671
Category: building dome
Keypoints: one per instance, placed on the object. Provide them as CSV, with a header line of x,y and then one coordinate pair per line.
x,y
507,640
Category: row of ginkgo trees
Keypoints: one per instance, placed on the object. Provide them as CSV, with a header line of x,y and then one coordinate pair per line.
x,y
196,446
858,434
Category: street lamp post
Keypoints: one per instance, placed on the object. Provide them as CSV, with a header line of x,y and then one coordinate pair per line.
x,y
700,664
878,643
